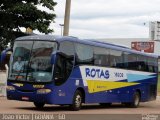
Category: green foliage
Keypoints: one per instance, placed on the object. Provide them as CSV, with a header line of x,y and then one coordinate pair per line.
x,y
15,14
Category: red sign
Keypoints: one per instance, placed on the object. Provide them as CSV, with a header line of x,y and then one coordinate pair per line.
x,y
143,46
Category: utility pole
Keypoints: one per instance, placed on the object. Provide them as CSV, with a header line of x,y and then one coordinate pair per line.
x,y
67,18
61,25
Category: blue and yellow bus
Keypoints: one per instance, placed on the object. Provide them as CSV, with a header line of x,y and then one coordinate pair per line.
x,y
59,70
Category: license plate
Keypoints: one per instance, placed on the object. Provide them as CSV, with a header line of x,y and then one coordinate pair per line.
x,y
25,98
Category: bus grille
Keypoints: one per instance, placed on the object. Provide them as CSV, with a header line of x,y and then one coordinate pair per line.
x,y
25,90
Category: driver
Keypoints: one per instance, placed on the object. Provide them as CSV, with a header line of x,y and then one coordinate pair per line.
x,y
18,65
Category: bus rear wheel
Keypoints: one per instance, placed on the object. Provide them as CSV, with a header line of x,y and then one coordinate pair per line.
x,y
77,101
136,100
39,105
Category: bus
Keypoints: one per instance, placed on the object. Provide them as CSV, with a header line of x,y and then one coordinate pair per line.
x,y
71,71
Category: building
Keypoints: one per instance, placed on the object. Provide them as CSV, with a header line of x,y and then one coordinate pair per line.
x,y
127,42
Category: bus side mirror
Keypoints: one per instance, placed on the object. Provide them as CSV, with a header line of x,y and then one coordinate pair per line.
x,y
4,53
53,58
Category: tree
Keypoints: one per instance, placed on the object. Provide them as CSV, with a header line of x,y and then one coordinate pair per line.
x,y
15,14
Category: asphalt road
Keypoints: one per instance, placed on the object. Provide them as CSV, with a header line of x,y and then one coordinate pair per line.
x,y
146,111
11,106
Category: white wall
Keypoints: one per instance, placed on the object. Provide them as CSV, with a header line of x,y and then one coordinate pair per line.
x,y
127,42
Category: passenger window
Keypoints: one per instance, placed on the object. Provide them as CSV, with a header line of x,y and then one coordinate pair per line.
x,y
84,54
141,63
116,58
130,61
101,56
152,64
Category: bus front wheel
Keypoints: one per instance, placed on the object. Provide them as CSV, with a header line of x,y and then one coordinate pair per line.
x,y
39,105
77,101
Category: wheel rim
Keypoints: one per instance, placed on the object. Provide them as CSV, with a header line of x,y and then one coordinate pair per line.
x,y
78,101
136,100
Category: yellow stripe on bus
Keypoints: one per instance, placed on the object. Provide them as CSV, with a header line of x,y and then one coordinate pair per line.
x,y
99,86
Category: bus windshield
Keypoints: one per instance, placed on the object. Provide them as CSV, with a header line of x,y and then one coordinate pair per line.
x,y
31,61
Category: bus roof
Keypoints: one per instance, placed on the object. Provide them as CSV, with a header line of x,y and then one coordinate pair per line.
x,y
92,42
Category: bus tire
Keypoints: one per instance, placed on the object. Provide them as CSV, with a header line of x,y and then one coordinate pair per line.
x,y
77,101
136,100
39,105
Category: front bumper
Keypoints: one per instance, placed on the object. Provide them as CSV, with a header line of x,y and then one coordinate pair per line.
x,y
31,96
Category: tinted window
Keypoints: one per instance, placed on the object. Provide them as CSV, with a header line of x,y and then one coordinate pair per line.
x,y
116,58
142,63
65,62
130,61
101,56
84,54
152,64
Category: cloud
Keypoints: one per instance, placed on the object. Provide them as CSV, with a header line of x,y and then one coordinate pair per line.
x,y
108,18
112,8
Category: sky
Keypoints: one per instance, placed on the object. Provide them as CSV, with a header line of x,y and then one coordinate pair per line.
x,y
108,18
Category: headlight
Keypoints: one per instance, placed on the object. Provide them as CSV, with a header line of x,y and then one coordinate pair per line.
x,y
43,91
10,88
